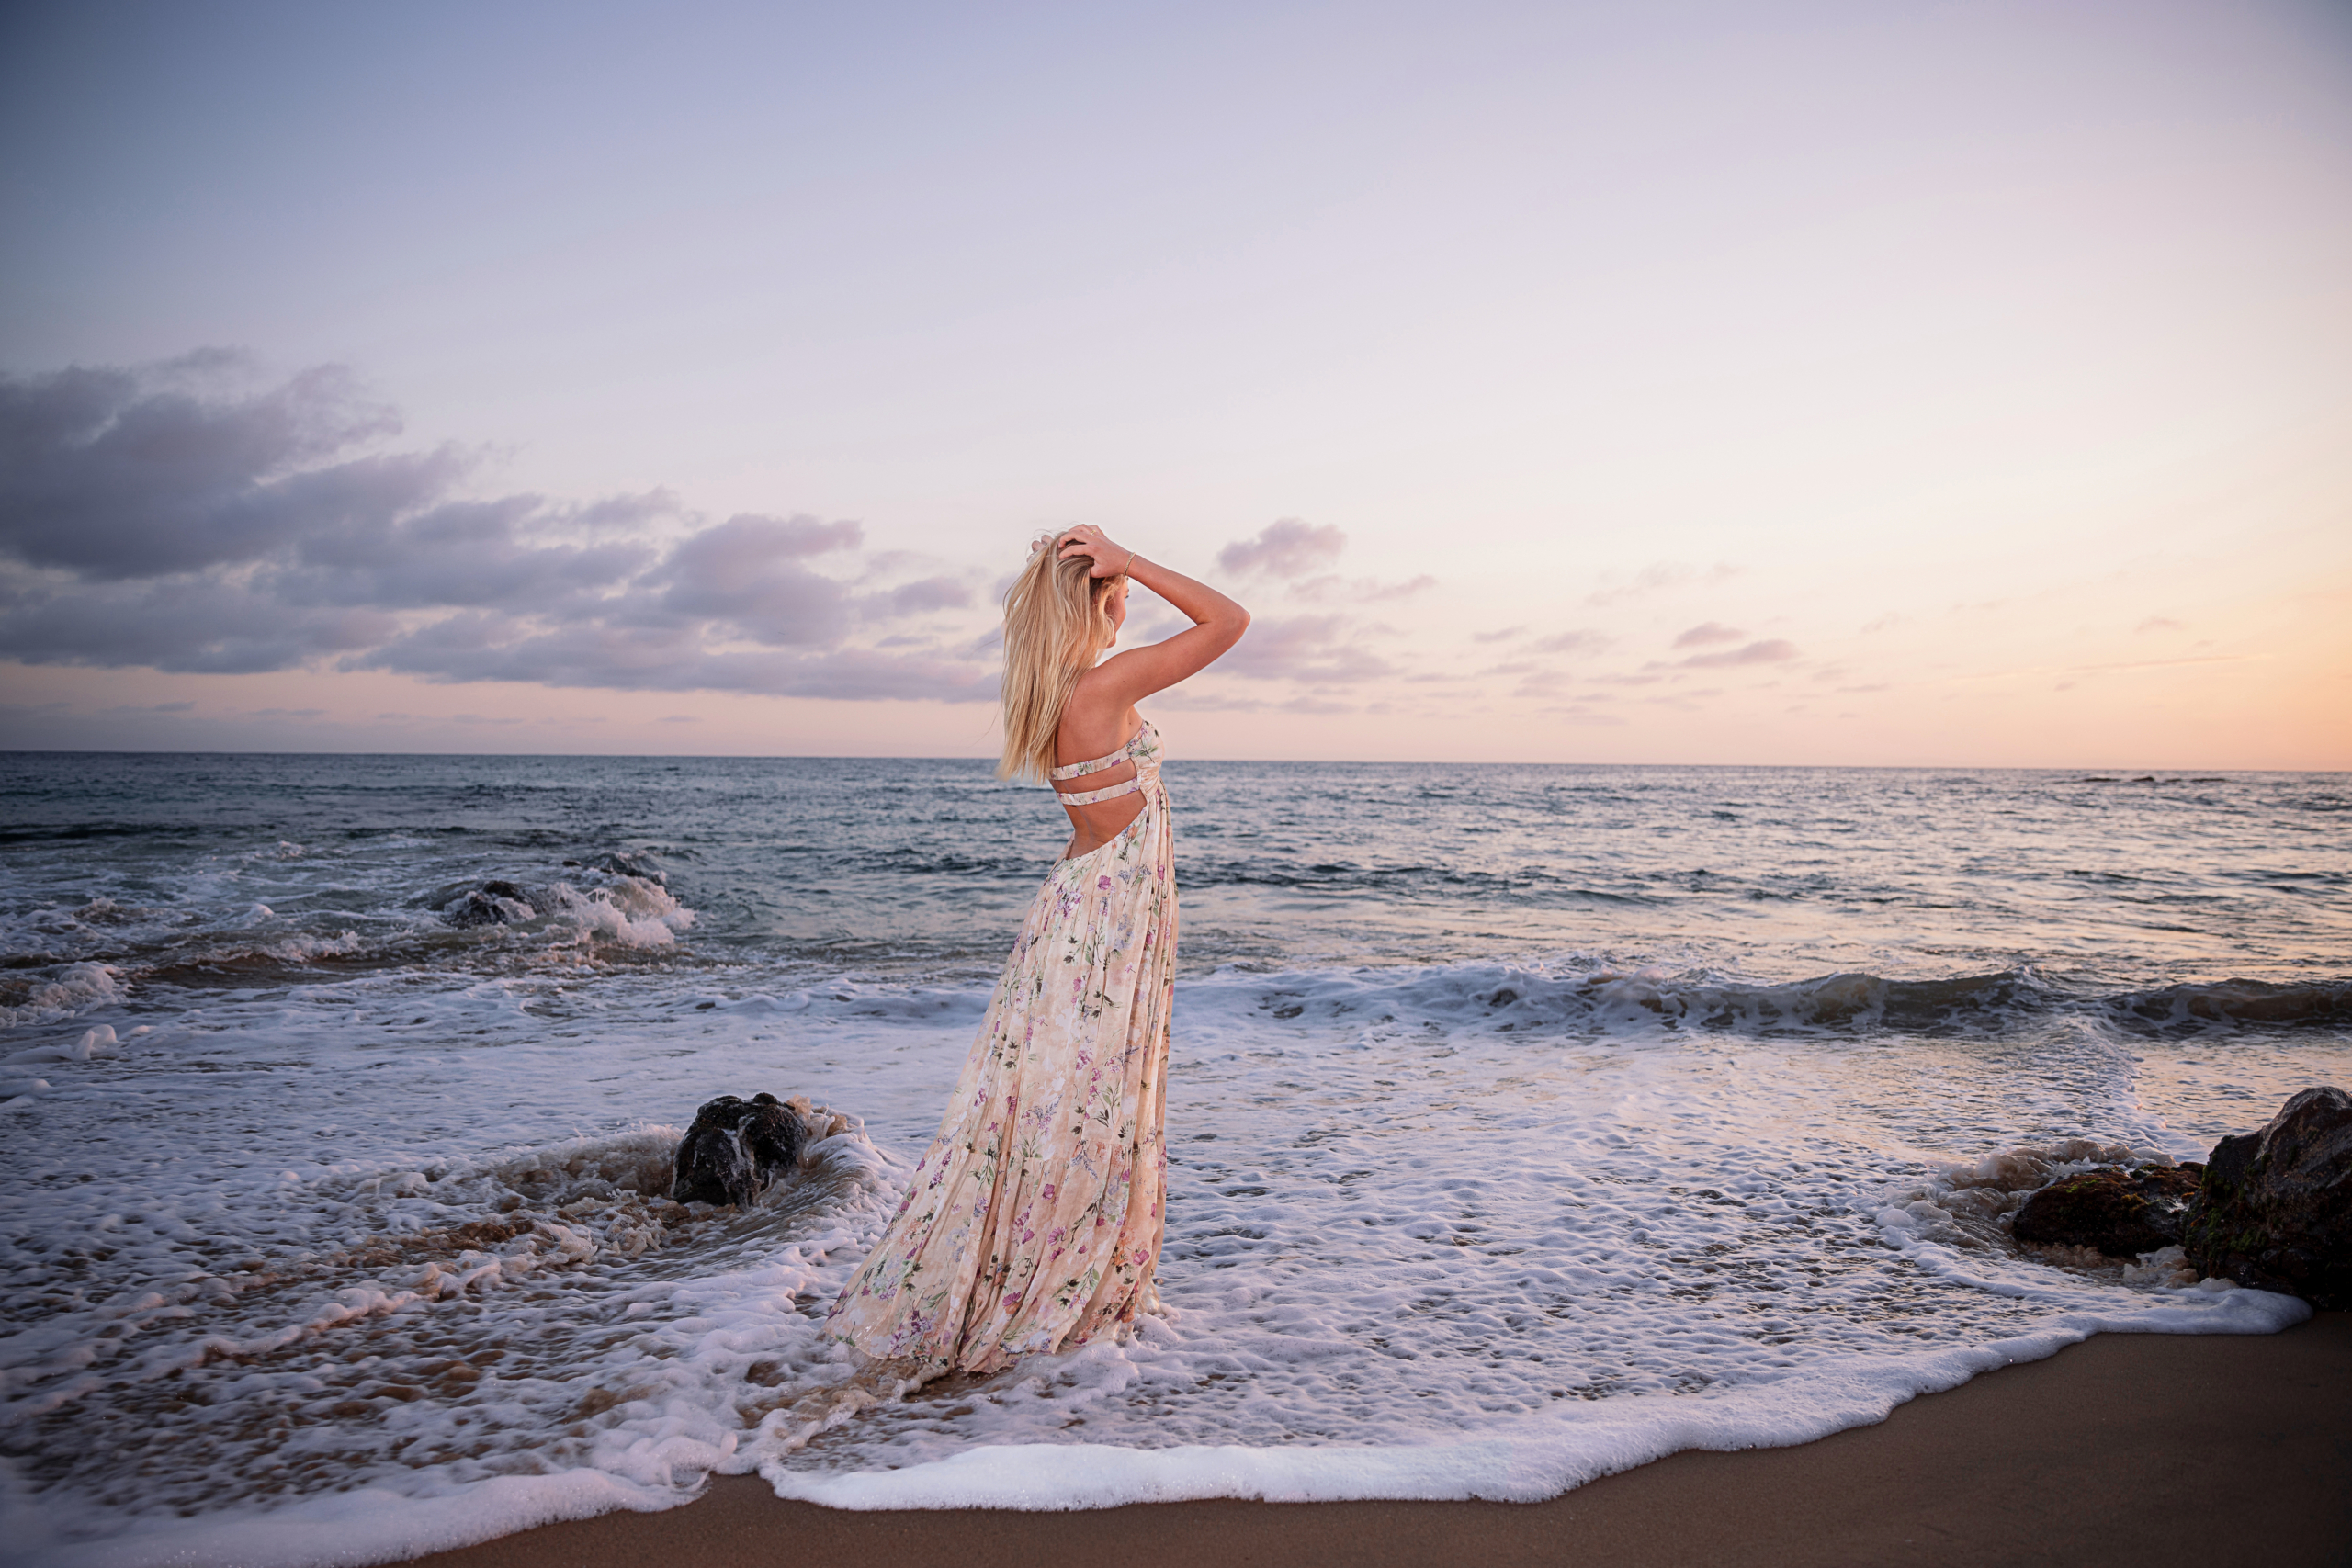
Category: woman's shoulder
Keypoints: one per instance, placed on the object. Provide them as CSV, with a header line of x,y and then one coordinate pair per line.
x,y
1091,730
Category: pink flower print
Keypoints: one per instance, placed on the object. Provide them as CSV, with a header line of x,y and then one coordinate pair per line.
x,y
1012,1302
1104,883
1048,1195
1142,1254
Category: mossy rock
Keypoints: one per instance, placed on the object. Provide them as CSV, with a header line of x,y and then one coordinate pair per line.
x,y
2117,1210
2275,1209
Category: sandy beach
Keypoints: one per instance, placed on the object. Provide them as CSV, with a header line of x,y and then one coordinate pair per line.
x,y
2127,1449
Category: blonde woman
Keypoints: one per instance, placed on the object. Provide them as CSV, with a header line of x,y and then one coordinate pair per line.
x,y
1034,1220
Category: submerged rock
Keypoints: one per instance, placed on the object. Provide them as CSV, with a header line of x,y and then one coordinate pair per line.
x,y
737,1149
2118,1212
2276,1208
493,903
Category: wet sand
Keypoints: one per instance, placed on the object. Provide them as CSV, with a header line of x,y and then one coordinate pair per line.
x,y
2140,1450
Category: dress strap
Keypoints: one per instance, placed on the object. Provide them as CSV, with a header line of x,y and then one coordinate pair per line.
x,y
1079,770
1088,797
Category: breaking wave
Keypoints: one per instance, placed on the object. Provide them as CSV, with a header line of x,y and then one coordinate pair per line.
x,y
1511,998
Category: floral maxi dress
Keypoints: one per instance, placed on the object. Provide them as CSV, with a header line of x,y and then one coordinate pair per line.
x,y
1034,1220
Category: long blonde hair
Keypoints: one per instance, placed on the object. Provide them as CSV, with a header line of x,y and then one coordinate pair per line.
x,y
1056,621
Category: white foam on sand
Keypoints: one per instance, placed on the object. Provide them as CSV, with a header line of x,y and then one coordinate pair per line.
x,y
383,1266
1522,1461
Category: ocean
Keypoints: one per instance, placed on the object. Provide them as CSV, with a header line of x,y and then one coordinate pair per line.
x,y
1526,1123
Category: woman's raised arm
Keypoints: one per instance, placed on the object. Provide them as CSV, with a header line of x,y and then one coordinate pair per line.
x,y
1217,621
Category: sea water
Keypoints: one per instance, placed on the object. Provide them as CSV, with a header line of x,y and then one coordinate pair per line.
x,y
1525,1123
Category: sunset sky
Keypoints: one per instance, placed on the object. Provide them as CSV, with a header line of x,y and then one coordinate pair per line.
x,y
1908,382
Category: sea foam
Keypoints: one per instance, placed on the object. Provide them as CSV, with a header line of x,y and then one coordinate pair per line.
x,y
1411,1252
1523,1124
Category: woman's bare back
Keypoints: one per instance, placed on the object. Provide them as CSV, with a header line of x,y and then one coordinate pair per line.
x,y
1088,731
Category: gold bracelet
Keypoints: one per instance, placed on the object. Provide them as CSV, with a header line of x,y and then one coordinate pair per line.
x,y
1131,561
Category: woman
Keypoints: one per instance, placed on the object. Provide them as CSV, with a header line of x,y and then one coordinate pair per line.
x,y
1034,1220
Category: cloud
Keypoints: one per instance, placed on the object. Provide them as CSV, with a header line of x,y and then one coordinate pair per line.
x,y
746,573
197,625
1707,632
1572,642
1292,549
114,474
1775,651
1206,698
470,553
600,654
2159,624
925,593
1331,588
175,518
1312,649
1658,576
1287,547
1544,683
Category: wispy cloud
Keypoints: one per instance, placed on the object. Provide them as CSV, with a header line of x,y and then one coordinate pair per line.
x,y
1707,632
1314,650
1775,651
1658,577
1301,555
1331,588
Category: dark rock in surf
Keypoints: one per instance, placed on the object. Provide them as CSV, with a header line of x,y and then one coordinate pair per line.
x,y
2121,1212
620,862
2276,1208
737,1149
491,904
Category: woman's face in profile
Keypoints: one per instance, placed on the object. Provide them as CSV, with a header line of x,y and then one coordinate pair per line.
x,y
1116,605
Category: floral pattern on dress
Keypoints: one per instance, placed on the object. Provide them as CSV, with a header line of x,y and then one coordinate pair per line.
x,y
1033,1220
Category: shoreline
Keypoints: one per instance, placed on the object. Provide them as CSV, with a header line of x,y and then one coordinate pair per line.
x,y
2139,1449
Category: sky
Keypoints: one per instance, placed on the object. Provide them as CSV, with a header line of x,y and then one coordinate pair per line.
x,y
1944,383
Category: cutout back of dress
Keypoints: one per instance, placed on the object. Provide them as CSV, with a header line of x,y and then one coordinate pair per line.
x,y
1142,748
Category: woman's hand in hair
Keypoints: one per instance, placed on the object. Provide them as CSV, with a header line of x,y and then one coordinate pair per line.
x,y
1086,540
1217,625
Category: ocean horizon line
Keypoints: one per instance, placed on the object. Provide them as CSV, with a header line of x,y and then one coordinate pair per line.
x,y
2098,771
